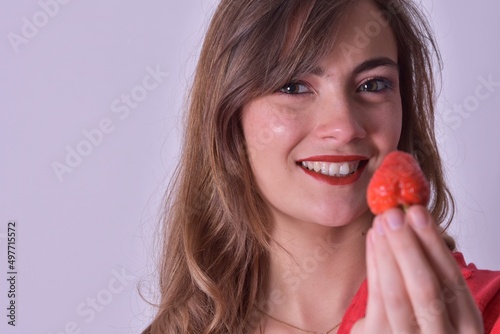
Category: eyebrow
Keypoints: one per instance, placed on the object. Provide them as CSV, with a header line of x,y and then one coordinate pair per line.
x,y
364,66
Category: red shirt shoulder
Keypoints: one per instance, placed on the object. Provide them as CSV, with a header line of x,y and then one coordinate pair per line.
x,y
485,289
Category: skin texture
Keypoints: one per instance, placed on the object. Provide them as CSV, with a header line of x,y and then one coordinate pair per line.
x,y
330,117
320,230
414,283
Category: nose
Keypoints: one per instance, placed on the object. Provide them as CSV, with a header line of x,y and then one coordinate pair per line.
x,y
340,121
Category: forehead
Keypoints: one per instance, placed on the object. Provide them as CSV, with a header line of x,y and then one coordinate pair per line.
x,y
351,32
363,33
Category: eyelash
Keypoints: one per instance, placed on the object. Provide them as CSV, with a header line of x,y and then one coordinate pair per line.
x,y
386,83
292,83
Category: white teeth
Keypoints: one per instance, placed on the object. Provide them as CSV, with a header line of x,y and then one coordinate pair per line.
x,y
344,169
324,168
332,168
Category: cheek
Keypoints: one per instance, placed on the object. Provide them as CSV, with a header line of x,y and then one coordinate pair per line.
x,y
268,130
386,124
396,125
277,127
260,132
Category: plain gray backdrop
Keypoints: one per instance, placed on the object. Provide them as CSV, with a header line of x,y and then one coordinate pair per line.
x,y
90,120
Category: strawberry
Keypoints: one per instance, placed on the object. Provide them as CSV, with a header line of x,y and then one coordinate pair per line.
x,y
398,181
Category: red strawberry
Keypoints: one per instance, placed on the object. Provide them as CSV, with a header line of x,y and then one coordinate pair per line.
x,y
398,181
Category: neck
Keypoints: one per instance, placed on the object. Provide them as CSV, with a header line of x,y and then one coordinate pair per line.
x,y
315,271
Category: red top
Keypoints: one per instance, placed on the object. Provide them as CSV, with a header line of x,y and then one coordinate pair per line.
x,y
483,284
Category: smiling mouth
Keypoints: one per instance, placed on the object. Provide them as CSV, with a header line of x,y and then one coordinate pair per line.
x,y
334,169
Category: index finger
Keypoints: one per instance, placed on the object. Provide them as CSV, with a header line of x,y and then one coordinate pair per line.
x,y
455,293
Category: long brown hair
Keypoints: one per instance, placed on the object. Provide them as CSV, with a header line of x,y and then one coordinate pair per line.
x,y
216,226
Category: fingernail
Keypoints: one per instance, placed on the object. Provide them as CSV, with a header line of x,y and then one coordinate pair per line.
x,y
418,218
394,220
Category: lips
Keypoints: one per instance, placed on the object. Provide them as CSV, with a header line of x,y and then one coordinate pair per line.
x,y
334,170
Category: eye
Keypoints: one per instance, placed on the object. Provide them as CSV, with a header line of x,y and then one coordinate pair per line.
x,y
295,88
375,85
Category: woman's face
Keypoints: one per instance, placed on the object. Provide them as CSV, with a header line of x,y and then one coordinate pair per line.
x,y
315,143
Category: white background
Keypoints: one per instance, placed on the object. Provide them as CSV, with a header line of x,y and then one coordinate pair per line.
x,y
77,236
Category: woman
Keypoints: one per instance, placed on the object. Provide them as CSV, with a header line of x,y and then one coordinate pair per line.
x,y
267,230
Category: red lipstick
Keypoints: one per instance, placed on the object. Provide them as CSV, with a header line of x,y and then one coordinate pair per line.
x,y
335,180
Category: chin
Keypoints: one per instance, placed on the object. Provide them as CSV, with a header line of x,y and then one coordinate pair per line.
x,y
339,219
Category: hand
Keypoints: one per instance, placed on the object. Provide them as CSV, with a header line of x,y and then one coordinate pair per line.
x,y
414,283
